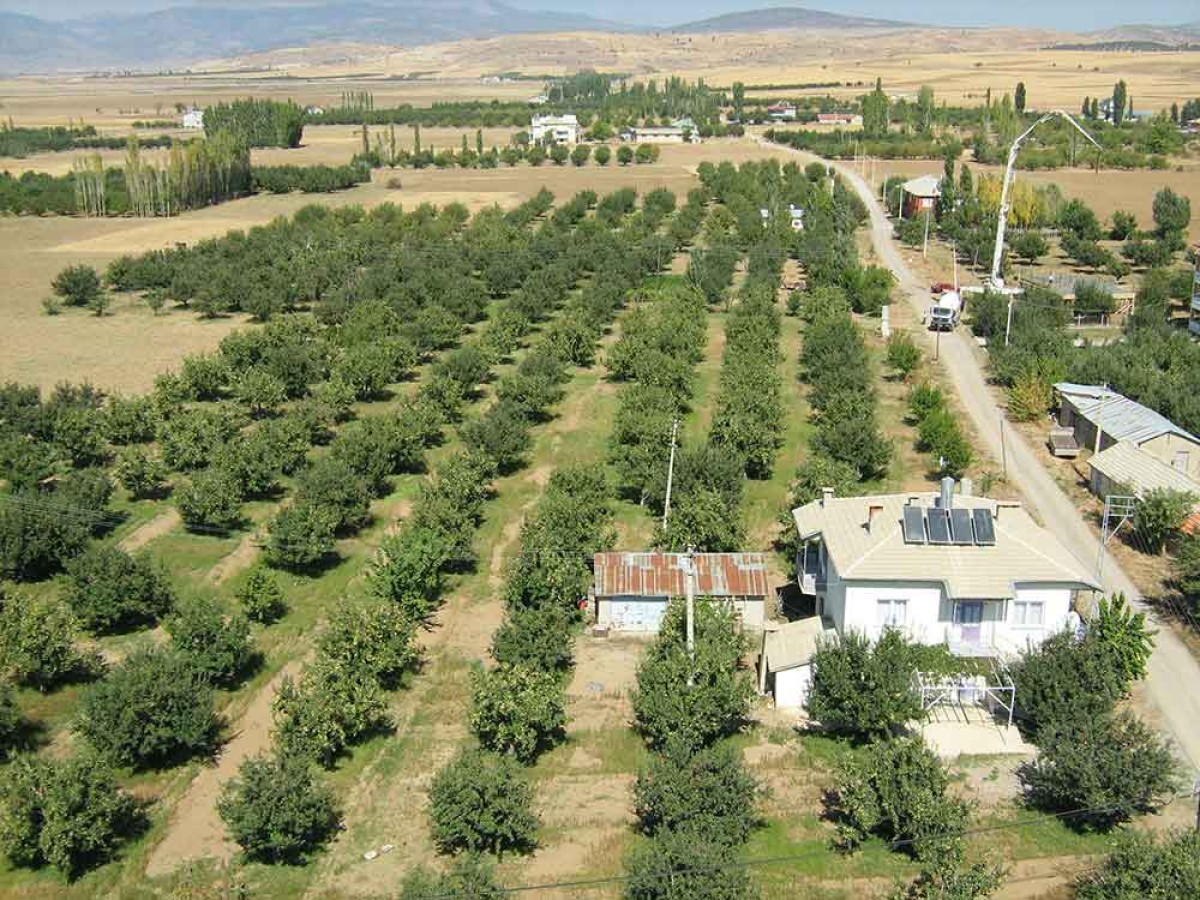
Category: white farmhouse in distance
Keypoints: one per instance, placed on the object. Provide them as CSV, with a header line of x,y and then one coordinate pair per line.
x,y
976,574
193,118
554,129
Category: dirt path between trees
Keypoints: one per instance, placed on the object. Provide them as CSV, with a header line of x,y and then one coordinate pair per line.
x,y
164,523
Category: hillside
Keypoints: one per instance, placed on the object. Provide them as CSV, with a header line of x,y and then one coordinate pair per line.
x,y
184,34
782,18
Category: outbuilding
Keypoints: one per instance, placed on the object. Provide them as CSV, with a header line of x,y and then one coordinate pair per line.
x,y
921,195
785,665
193,118
632,590
658,134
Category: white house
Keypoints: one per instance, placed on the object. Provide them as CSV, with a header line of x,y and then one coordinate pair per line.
x,y
193,118
782,111
554,129
974,573
785,665
657,134
632,590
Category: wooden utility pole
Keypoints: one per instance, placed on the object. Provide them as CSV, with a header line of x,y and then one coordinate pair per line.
x,y
670,474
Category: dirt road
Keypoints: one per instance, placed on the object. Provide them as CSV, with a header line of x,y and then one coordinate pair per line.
x,y
1173,684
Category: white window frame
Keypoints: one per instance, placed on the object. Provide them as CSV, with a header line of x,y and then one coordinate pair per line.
x,y
886,609
1022,610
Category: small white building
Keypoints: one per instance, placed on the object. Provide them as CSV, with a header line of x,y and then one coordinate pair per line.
x,y
785,665
631,590
782,111
193,118
796,215
850,119
976,574
554,129
657,134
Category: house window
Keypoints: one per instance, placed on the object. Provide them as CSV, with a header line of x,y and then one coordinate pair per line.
x,y
892,613
1030,613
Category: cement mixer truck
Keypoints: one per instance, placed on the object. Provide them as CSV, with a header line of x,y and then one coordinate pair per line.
x,y
945,312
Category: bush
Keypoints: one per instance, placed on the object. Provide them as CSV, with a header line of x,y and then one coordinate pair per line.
x,y
216,642
1159,515
261,597
518,711
536,637
1063,680
1123,637
370,638
1143,865
1100,772
68,813
37,641
154,709
602,155
301,536
480,802
903,355
109,590
78,285
469,877
10,719
501,435
718,699
709,793
210,499
330,709
277,811
142,475
407,570
897,791
684,864
1030,246
861,690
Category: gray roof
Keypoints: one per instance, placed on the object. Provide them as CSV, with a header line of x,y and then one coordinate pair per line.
x,y
1124,419
1024,552
793,643
1124,463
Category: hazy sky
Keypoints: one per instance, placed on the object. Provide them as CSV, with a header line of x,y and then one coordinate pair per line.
x,y
1076,15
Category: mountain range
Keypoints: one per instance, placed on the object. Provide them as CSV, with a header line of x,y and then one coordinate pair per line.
x,y
183,34
178,36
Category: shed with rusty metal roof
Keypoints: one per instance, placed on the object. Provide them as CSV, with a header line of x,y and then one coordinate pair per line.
x,y
632,589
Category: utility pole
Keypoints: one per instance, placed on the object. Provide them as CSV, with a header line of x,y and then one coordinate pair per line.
x,y
1003,449
670,474
925,241
689,572
1008,324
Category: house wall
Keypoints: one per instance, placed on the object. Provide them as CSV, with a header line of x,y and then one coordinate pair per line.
x,y
652,137
1166,446
791,687
751,611
930,615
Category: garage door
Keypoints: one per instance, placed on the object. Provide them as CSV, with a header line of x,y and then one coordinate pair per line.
x,y
637,614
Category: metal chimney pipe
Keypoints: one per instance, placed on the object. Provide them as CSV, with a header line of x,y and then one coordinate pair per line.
x,y
947,498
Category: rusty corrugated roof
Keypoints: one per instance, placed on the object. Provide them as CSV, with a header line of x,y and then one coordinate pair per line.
x,y
630,574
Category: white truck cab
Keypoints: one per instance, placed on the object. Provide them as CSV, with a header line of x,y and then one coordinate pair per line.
x,y
945,312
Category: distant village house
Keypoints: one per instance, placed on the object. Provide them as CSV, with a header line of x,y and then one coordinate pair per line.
x,y
850,119
554,129
782,111
920,196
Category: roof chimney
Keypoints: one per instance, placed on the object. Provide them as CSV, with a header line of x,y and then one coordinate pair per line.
x,y
826,495
946,500
873,513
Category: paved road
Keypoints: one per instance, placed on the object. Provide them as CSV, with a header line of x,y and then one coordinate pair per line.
x,y
1173,683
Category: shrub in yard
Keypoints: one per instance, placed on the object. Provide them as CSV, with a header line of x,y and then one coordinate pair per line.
x,y
862,690
897,791
1064,680
1146,866
210,499
154,709
1159,516
470,876
261,597
717,700
1123,636
301,536
142,474
480,802
1102,771
10,719
903,356
684,864
709,792
68,813
216,641
276,809
948,875
38,640
518,711
110,590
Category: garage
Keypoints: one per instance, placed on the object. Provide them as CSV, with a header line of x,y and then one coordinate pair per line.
x,y
785,665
